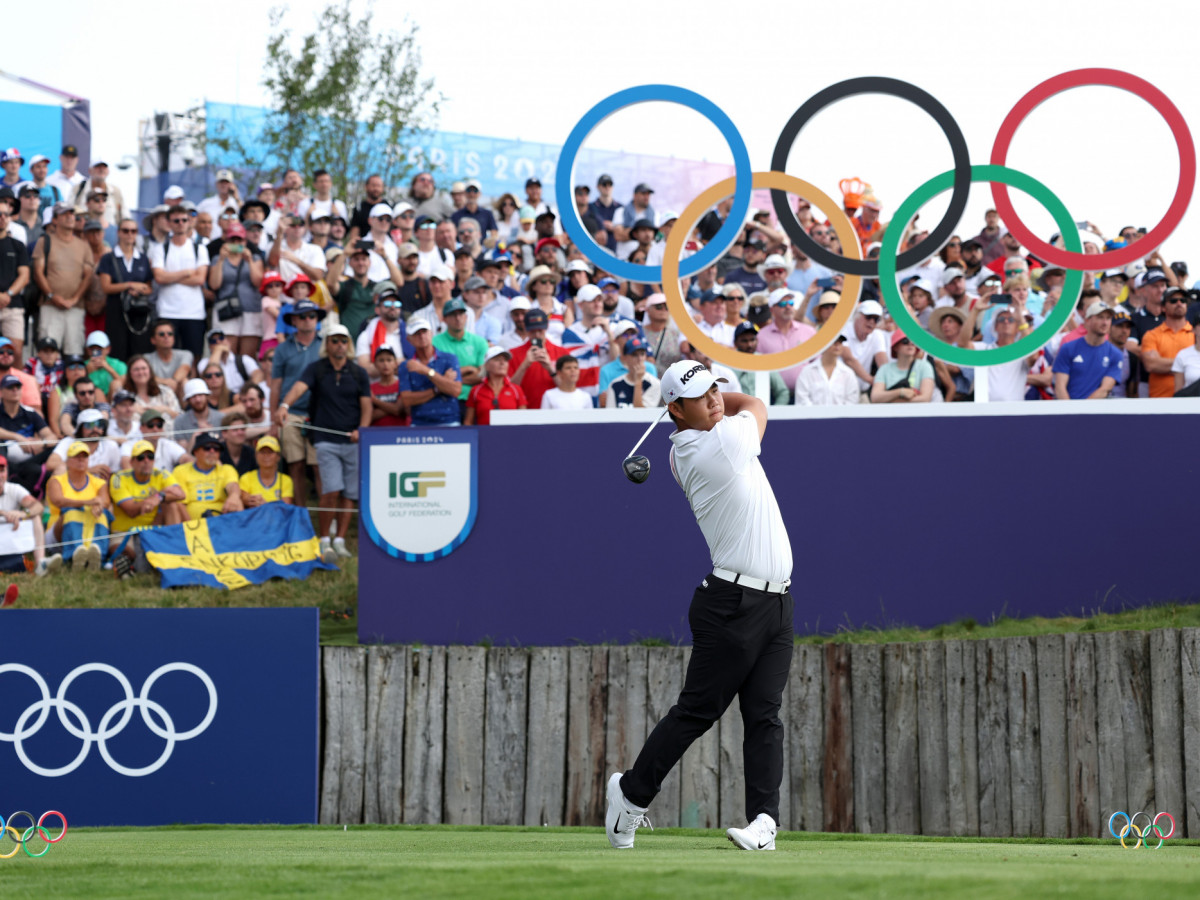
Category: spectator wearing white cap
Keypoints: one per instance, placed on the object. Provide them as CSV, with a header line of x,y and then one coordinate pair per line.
x,y
429,254
495,391
106,372
226,196
197,415
654,255
774,271
920,301
63,274
429,381
662,334
340,406
384,252
783,332
954,290
1008,382
91,427
516,335
292,255
1089,367
866,347
441,286
180,267
48,194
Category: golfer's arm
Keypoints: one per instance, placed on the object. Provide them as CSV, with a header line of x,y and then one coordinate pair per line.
x,y
736,403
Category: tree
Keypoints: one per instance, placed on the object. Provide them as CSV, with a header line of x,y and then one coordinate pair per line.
x,y
344,98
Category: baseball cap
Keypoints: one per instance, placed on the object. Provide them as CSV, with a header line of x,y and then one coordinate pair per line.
x,y
578,265
634,344
527,214
643,188
950,273
1152,276
96,339
1097,307
174,192
774,261
123,397
69,150
474,283
61,209
620,326
1120,317
536,319
141,447
47,343
658,299
473,185
415,325
207,439
224,175
829,298
11,153
79,448
92,225
1115,273
923,284
587,292
74,360
194,386
266,442
380,209
493,352
404,251
781,295
607,282
150,415
870,308
401,207
10,381
37,158
519,303
744,328
441,272
543,242
454,305
533,180
642,223
687,378
604,179
337,331
381,349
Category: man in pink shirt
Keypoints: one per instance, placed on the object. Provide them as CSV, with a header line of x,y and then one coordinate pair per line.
x,y
783,332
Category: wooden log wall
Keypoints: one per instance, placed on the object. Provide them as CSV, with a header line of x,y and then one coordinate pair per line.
x,y
1041,736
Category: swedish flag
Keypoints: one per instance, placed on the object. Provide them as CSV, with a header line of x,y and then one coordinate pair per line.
x,y
231,551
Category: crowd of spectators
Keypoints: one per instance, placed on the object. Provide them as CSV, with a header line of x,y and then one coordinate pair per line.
x,y
284,322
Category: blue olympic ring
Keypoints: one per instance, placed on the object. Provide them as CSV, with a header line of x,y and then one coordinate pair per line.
x,y
668,93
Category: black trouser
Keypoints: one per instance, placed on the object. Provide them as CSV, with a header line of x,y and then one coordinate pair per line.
x,y
29,473
741,645
189,335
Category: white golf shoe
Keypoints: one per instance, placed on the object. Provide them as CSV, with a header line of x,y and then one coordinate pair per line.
x,y
623,818
758,835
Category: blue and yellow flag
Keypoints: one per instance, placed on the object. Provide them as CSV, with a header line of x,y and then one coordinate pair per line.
x,y
231,551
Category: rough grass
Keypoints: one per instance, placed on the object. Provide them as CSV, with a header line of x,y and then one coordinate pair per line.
x,y
499,863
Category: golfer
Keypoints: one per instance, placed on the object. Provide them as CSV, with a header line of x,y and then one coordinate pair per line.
x,y
741,614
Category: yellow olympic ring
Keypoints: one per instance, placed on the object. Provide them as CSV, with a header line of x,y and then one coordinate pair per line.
x,y
16,842
767,362
1139,832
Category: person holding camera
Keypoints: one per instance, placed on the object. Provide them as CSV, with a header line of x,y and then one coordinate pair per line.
x,y
107,372
127,282
234,276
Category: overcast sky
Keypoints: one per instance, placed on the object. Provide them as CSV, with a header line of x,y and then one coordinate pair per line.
x,y
1105,153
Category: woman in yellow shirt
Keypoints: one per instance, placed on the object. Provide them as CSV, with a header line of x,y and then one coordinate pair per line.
x,y
80,510
266,484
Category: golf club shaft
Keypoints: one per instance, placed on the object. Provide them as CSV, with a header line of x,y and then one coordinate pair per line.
x,y
642,439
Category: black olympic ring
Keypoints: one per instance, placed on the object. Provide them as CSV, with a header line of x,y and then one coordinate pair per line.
x,y
905,91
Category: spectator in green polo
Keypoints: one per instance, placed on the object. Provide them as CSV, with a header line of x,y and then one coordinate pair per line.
x,y
353,291
471,349
106,372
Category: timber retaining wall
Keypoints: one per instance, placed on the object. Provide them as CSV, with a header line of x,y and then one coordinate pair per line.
x,y
1041,736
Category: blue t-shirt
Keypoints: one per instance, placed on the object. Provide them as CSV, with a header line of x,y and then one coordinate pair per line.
x,y
1086,366
289,363
602,213
442,409
487,221
751,282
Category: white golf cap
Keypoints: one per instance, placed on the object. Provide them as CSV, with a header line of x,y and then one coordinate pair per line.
x,y
870,308
774,261
687,378
923,284
781,295
338,331
380,209
88,416
950,273
519,303
659,299
1098,307
416,325
96,339
400,208
194,386
174,192
224,175
441,272
579,265
493,352
587,292
620,326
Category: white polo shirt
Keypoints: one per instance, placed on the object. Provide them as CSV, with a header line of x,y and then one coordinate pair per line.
x,y
733,502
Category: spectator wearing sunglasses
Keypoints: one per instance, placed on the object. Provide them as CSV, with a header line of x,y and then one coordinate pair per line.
x,y
64,279
386,329
31,394
143,496
180,267
127,282
84,396
198,413
33,439
1161,345
495,391
340,406
866,347
292,357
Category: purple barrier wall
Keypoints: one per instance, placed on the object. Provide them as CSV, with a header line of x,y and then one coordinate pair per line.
x,y
915,521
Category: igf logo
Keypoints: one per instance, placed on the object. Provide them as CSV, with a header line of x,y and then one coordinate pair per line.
x,y
414,484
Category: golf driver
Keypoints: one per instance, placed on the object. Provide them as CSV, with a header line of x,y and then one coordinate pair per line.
x,y
637,468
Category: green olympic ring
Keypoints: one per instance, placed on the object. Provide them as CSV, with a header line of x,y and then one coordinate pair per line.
x,y
965,356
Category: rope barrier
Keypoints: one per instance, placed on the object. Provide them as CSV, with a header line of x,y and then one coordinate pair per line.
x,y
302,425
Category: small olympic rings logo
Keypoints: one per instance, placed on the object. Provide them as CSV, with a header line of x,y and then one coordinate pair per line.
x,y
958,181
82,728
1144,834
21,839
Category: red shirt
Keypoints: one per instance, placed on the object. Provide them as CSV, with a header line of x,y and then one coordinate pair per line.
x,y
389,393
536,380
483,399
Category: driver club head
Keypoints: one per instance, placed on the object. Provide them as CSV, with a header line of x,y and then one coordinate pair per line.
x,y
637,468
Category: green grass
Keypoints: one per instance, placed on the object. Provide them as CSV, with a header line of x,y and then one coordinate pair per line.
x,y
446,862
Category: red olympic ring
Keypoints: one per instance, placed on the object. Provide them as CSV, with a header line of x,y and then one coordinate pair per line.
x,y
1110,259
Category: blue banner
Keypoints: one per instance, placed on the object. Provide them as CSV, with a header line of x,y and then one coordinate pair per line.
x,y
150,717
231,551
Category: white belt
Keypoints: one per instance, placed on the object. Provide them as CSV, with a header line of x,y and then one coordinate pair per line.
x,y
757,584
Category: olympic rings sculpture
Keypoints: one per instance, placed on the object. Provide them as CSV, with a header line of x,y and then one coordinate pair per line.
x,y
82,728
957,181
21,839
1145,834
